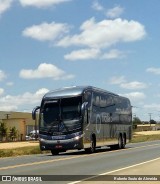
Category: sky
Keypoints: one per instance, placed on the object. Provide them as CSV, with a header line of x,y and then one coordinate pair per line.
x,y
109,44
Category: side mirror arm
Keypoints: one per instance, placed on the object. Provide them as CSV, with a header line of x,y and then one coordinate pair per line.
x,y
34,112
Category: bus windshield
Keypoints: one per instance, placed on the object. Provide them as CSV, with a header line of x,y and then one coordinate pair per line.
x,y
61,116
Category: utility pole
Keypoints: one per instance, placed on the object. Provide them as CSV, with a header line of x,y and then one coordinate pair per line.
x,y
134,115
150,114
7,116
159,116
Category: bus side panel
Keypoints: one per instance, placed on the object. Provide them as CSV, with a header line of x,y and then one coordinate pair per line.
x,y
110,137
110,117
94,128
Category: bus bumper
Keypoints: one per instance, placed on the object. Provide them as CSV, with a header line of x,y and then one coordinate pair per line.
x,y
68,144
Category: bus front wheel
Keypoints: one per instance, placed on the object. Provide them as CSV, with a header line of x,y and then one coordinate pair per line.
x,y
92,146
54,152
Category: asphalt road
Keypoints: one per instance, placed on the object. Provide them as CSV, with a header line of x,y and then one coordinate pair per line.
x,y
74,166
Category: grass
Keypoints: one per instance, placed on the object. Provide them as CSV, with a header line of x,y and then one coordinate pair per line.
x,y
20,151
144,138
35,149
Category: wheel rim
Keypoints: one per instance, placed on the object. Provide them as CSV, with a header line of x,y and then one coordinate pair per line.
x,y
123,142
120,142
92,146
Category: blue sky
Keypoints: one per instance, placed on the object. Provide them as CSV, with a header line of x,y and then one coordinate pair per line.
x,y
114,45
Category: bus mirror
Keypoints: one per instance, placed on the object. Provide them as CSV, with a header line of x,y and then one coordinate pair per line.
x,y
34,112
84,107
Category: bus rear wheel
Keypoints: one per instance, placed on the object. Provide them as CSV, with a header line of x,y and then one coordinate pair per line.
x,y
121,142
54,152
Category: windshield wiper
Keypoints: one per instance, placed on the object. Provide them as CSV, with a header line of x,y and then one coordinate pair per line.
x,y
59,125
52,125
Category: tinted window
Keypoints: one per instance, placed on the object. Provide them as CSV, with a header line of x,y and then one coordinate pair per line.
x,y
87,97
96,99
106,100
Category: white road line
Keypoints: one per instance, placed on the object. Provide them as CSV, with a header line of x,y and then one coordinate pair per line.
x,y
110,172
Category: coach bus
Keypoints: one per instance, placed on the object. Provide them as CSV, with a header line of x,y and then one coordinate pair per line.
x,y
83,117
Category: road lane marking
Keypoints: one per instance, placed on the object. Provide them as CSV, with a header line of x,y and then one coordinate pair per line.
x,y
74,157
111,172
37,163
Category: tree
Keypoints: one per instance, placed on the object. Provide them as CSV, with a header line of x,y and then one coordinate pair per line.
x,y
152,121
13,133
136,121
3,130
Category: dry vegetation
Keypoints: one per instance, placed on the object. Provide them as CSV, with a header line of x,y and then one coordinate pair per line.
x,y
13,145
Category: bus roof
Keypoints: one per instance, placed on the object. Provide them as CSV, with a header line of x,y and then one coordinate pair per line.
x,y
73,91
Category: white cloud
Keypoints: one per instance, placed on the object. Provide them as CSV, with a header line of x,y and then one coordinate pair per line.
x,y
94,36
5,5
8,107
115,12
1,91
105,33
152,106
94,53
97,6
133,85
122,82
2,75
117,80
9,83
82,54
153,70
22,101
135,96
46,31
45,70
41,3
113,54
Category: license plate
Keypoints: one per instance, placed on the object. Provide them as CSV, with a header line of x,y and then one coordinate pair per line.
x,y
58,146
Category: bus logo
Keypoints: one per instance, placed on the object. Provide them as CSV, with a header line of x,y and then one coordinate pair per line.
x,y
98,123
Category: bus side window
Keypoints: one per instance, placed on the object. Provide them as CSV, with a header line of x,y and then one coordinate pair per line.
x,y
96,100
116,101
87,97
103,101
106,100
109,100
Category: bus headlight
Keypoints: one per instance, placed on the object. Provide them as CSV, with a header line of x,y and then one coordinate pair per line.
x,y
41,139
77,138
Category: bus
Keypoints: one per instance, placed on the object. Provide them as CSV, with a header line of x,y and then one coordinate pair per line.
x,y
83,117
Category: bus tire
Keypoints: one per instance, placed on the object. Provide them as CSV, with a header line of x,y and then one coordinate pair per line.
x,y
123,141
54,152
120,142
92,146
